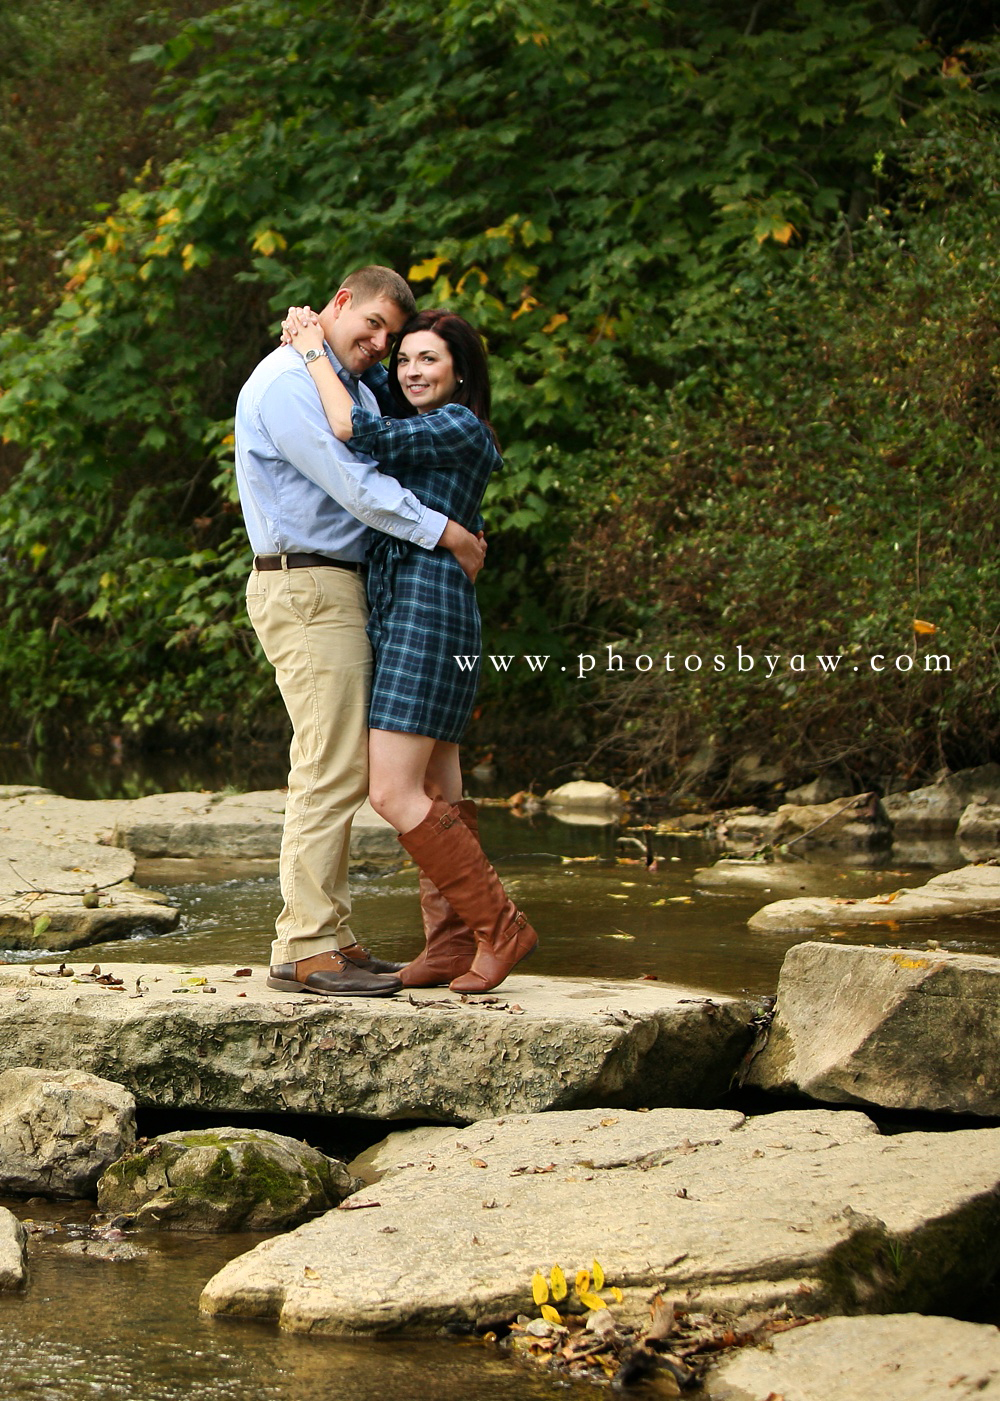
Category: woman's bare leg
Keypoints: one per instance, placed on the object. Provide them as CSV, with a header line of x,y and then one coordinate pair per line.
x,y
398,765
444,773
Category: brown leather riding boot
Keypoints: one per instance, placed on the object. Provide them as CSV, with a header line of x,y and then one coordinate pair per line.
x,y
451,856
450,945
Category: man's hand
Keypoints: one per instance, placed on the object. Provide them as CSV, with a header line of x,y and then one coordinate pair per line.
x,y
468,549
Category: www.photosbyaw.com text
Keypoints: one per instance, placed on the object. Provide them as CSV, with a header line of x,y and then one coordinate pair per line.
x,y
742,662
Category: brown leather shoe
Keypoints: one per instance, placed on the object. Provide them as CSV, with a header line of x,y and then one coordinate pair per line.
x,y
361,958
446,850
330,974
449,943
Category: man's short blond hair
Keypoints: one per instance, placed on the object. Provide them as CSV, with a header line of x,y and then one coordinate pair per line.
x,y
367,284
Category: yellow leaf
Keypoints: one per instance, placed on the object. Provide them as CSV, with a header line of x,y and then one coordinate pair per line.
x,y
529,304
925,629
310,1273
592,1301
598,1274
427,270
269,242
38,552
554,322
558,1282
188,256
582,1282
550,1314
473,272
784,234
617,1294
539,1289
171,217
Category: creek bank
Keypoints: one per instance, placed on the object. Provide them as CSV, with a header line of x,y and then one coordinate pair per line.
x,y
60,1130
905,1357
811,1209
967,891
218,1038
895,1028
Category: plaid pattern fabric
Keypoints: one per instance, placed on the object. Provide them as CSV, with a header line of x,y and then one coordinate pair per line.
x,y
423,608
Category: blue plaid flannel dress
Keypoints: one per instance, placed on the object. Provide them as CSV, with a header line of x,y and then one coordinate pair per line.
x,y
423,608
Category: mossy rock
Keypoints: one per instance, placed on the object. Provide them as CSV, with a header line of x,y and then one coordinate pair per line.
x,y
224,1180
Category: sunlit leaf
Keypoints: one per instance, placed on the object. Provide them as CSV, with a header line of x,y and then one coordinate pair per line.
x,y
617,1294
582,1282
592,1301
550,1314
923,628
427,270
598,1274
539,1289
558,1282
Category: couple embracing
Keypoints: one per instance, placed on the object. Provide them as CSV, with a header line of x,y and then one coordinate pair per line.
x,y
361,491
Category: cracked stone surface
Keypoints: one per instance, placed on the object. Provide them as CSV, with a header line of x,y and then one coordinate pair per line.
x,y
895,1357
208,1038
59,1131
899,1028
813,1209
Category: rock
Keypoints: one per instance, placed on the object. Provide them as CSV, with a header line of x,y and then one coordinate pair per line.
x,y
240,825
224,1180
825,788
71,868
768,877
13,1251
755,770
223,825
860,822
59,1130
812,1209
899,1028
581,794
895,1357
979,830
970,890
537,1043
938,807
72,921
110,1252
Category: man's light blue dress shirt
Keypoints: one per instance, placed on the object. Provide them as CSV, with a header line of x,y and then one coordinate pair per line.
x,y
302,490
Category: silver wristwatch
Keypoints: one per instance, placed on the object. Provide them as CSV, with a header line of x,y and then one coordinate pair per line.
x,y
312,355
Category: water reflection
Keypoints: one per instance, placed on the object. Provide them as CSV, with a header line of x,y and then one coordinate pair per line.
x,y
86,1328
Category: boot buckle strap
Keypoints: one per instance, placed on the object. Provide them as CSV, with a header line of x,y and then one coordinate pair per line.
x,y
446,820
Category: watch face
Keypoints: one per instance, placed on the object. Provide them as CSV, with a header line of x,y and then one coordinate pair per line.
x,y
312,355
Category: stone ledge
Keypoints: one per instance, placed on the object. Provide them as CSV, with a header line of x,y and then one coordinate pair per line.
x,y
535,1044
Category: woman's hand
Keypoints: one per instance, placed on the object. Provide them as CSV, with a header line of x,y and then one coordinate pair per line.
x,y
302,330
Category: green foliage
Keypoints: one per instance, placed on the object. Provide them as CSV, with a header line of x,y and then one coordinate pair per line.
x,y
843,486
585,181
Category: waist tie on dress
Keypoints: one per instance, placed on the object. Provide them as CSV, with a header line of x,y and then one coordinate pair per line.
x,y
383,557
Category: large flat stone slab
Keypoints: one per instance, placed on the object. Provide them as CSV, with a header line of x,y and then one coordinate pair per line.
x,y
899,1028
895,1357
241,825
967,891
66,922
537,1043
237,826
812,1209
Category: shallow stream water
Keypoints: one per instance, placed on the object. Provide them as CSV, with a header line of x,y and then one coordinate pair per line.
x,y
131,1330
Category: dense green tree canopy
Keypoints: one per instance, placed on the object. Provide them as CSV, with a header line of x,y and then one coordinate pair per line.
x,y
611,191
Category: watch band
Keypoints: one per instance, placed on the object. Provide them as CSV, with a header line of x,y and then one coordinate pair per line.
x,y
310,355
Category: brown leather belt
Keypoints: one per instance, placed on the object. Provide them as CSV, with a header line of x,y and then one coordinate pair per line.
x,y
305,562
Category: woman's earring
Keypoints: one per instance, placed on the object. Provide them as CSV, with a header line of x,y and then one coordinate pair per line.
x,y
461,380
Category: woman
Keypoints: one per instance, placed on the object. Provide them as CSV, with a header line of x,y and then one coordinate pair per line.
x,y
423,617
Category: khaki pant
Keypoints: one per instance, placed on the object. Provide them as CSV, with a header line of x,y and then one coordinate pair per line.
x,y
311,625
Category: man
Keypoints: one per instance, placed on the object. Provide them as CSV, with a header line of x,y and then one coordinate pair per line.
x,y
307,500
